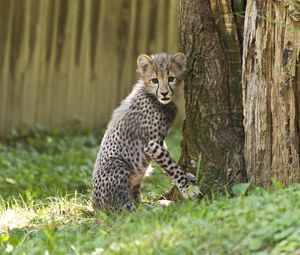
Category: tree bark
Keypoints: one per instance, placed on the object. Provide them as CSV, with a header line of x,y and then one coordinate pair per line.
x,y
209,131
271,91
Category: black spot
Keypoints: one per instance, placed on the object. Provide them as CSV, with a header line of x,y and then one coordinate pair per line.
x,y
160,155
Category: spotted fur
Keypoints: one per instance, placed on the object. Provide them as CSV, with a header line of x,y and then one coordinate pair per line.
x,y
136,133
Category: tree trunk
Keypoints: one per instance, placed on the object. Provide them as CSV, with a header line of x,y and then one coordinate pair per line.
x,y
209,130
271,91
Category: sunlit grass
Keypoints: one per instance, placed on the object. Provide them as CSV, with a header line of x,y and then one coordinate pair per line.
x,y
34,214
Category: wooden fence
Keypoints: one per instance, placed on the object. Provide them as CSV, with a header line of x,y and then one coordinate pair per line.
x,y
74,60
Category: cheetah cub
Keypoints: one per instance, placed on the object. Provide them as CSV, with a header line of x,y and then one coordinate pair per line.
x,y
136,133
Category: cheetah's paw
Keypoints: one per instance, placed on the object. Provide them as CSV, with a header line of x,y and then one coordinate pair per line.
x,y
192,191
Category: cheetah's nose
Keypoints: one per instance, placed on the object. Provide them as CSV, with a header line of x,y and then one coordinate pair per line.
x,y
164,94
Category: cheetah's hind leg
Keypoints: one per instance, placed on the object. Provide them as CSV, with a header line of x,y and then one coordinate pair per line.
x,y
112,186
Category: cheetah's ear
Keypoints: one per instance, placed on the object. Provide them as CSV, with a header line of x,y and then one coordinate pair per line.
x,y
144,62
179,63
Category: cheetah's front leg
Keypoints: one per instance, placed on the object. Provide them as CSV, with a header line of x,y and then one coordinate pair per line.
x,y
184,181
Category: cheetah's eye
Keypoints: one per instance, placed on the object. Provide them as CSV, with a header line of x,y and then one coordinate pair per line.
x,y
171,78
155,80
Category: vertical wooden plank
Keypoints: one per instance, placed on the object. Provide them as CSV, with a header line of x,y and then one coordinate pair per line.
x,y
152,12
95,40
43,61
161,27
96,63
28,85
65,62
126,51
4,68
5,7
108,57
59,66
101,89
112,77
173,36
172,47
86,102
12,113
142,27
72,103
157,44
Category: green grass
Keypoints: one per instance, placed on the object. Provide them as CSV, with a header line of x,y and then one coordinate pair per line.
x,y
45,208
44,163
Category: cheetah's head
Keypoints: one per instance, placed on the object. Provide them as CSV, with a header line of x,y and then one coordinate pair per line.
x,y
161,72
